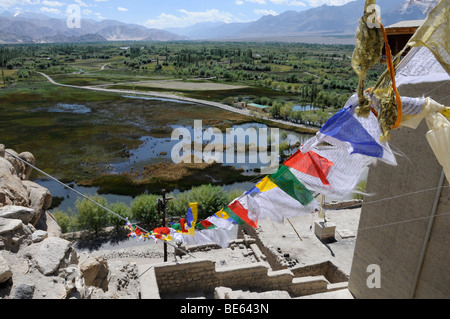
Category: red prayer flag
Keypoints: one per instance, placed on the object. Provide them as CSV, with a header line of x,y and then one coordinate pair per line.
x,y
310,163
239,210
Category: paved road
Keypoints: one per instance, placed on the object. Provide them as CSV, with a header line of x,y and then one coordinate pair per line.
x,y
176,97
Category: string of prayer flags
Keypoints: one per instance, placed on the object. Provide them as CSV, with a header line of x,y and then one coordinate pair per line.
x,y
136,232
163,233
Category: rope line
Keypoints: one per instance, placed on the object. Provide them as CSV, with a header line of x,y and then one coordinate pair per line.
x,y
402,222
89,199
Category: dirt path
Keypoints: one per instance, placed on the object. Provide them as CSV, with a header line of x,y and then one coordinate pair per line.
x,y
176,97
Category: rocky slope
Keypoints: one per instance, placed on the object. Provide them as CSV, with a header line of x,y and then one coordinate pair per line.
x,y
35,261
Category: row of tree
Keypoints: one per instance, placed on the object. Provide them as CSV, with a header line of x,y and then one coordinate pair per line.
x,y
143,209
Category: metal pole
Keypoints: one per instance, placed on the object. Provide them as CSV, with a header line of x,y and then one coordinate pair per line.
x,y
164,220
427,235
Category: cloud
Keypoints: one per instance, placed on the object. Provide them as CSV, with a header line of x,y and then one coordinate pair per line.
x,y
317,3
292,3
99,15
52,3
257,1
241,2
188,18
122,9
265,12
81,3
11,3
50,10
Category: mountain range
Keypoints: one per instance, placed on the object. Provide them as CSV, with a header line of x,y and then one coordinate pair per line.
x,y
323,21
38,28
320,22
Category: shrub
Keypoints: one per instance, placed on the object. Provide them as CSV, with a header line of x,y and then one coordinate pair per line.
x,y
67,222
210,200
120,209
144,209
90,215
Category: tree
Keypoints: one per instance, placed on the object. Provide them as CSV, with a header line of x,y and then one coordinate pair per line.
x,y
90,215
144,209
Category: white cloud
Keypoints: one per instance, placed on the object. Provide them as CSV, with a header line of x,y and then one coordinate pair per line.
x,y
239,2
122,9
81,3
293,3
257,1
265,12
317,3
188,18
52,3
50,10
11,3
99,15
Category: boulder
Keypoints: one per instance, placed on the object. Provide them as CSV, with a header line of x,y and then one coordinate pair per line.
x,y
29,158
8,225
2,198
2,150
19,167
95,272
48,223
5,270
54,253
11,185
40,198
14,234
38,236
25,214
24,291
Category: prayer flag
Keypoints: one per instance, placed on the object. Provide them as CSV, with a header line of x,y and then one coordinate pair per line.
x,y
356,134
267,200
222,219
239,207
206,236
205,224
191,215
310,163
163,233
287,182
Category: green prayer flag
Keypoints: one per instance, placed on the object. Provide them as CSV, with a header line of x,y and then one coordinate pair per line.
x,y
287,181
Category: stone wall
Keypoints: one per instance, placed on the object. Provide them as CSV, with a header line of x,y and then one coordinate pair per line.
x,y
192,276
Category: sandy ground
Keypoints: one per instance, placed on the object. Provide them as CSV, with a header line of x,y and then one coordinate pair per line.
x,y
184,85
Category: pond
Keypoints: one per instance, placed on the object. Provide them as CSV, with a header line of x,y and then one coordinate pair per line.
x,y
76,140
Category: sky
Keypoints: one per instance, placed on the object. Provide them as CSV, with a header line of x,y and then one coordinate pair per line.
x,y
163,14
